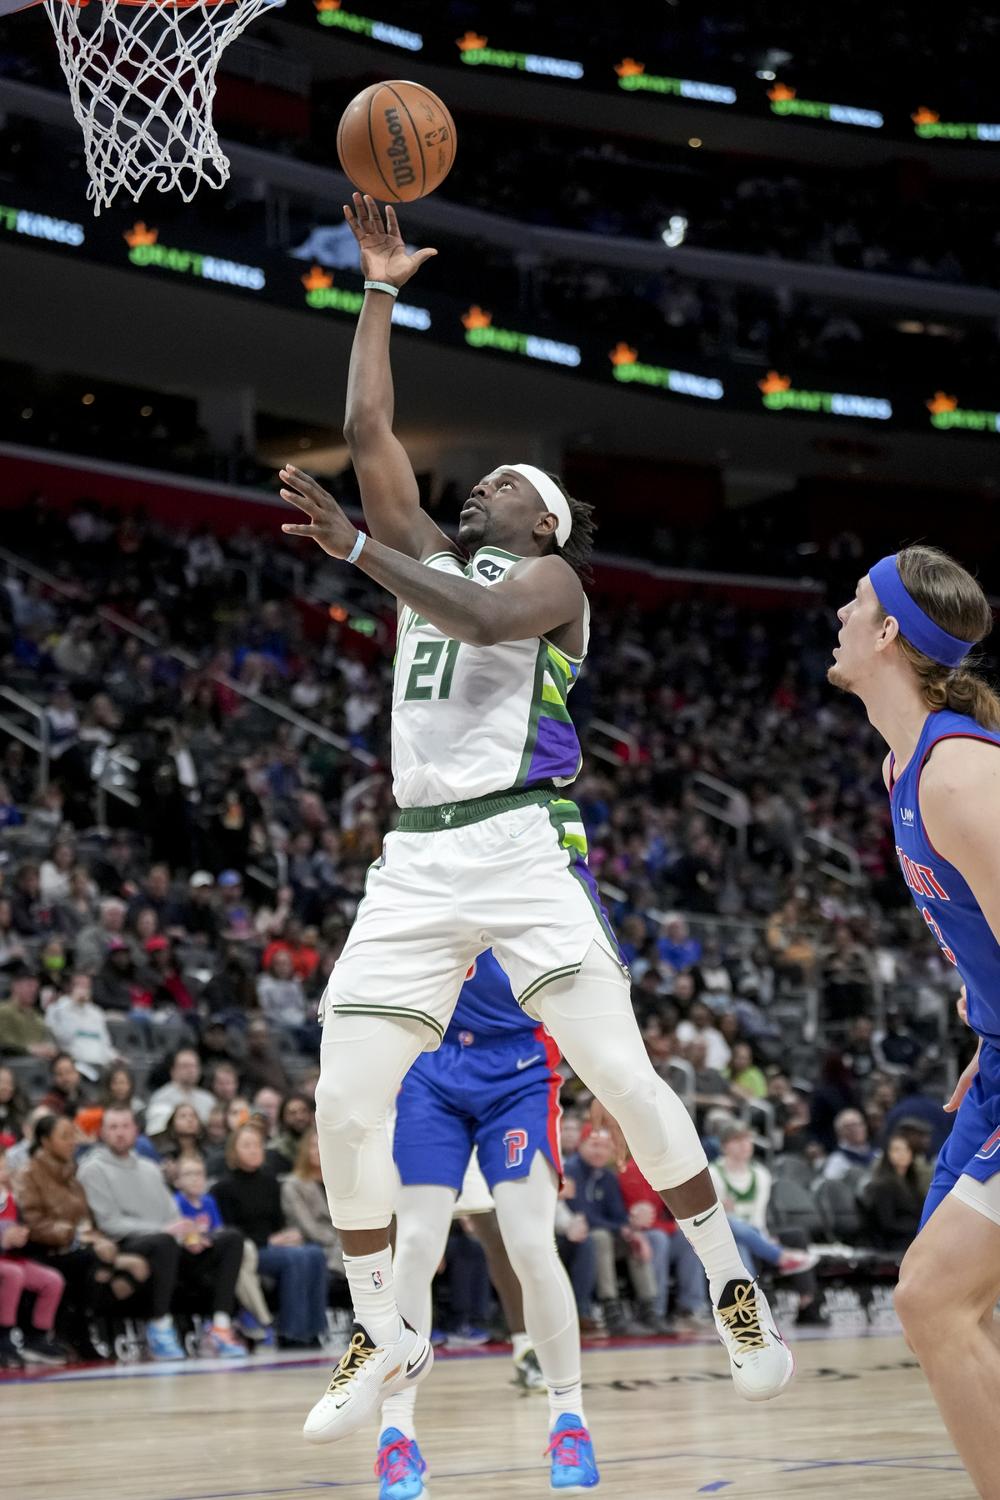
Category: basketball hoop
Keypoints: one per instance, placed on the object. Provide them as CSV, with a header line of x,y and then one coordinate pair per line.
x,y
141,77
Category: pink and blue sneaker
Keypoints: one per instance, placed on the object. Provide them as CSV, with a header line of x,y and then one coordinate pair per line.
x,y
574,1467
400,1467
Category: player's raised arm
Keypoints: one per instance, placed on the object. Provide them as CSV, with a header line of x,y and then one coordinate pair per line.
x,y
388,485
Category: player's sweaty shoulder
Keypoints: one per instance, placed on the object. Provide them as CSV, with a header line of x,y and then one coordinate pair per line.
x,y
960,799
960,766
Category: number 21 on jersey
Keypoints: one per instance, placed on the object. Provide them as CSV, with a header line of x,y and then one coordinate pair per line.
x,y
432,670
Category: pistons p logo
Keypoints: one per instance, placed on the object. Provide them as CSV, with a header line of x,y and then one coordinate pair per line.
x,y
516,1144
989,1148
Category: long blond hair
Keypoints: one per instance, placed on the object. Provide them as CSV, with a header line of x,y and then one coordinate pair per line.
x,y
954,600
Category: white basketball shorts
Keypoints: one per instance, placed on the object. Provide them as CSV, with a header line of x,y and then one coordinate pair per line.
x,y
507,873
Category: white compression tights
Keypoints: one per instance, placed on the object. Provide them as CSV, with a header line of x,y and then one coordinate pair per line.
x,y
364,1059
526,1214
592,1021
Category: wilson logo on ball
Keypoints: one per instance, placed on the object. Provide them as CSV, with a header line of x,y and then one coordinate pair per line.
x,y
398,151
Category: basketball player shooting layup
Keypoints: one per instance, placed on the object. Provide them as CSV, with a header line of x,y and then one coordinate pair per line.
x,y
487,854
902,647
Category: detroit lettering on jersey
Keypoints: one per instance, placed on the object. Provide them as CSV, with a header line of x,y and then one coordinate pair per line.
x,y
486,1007
941,893
920,878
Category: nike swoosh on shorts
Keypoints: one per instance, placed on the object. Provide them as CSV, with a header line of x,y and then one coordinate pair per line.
x,y
525,1062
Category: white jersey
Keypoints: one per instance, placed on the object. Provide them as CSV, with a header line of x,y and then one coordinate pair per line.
x,y
469,721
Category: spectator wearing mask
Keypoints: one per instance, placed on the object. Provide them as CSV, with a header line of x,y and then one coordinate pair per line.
x,y
133,1206
893,1200
183,1088
249,1198
195,1202
23,1031
18,1275
854,1151
80,1028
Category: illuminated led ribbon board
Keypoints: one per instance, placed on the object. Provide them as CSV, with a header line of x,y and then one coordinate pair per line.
x,y
765,93
140,249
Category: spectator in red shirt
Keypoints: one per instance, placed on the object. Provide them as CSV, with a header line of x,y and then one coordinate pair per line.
x,y
671,1252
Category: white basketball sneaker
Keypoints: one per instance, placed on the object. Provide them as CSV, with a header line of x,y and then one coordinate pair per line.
x,y
760,1360
367,1373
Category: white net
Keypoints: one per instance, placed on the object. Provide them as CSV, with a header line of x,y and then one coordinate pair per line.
x,y
142,81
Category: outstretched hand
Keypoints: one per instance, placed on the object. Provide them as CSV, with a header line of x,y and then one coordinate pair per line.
x,y
384,256
328,527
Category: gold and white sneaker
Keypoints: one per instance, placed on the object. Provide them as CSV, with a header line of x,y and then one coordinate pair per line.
x,y
760,1361
366,1375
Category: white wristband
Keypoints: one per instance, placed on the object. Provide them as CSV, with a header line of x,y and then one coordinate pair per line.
x,y
382,286
355,552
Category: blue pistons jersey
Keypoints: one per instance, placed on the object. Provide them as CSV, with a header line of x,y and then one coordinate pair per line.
x,y
491,1084
955,919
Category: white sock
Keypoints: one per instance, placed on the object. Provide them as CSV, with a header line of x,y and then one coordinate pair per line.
x,y
564,1398
400,1411
712,1240
162,1325
221,1320
520,1344
370,1280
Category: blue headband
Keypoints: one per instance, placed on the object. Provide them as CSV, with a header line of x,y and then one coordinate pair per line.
x,y
914,624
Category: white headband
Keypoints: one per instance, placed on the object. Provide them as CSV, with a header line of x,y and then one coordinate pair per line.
x,y
552,495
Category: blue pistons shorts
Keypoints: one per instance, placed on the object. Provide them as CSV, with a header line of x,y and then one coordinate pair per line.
x,y
973,1148
500,1094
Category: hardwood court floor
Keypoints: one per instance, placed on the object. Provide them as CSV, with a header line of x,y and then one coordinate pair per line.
x,y
857,1423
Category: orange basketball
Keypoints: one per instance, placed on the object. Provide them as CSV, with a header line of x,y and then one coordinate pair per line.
x,y
396,141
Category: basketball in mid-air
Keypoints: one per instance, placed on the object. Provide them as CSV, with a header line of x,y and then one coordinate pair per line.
x,y
396,141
